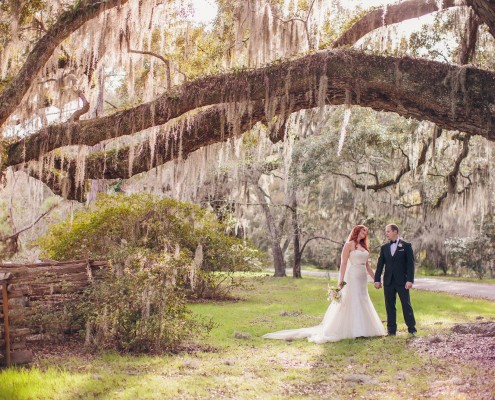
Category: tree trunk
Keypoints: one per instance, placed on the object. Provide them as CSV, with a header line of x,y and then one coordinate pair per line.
x,y
275,236
296,233
485,10
468,39
278,259
436,255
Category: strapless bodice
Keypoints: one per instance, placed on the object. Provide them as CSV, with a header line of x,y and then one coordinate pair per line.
x,y
358,257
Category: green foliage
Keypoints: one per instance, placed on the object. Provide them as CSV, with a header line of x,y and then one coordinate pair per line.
x,y
373,141
433,41
117,226
141,307
163,252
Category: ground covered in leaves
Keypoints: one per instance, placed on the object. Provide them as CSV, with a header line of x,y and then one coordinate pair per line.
x,y
465,342
469,344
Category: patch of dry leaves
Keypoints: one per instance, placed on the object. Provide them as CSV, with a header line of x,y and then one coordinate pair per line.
x,y
466,345
465,342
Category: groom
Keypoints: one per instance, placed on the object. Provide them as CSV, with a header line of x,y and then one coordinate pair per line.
x,y
398,259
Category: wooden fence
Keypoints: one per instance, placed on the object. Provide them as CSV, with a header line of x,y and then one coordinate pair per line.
x,y
30,290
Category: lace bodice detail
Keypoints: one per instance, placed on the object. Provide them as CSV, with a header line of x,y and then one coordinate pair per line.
x,y
358,257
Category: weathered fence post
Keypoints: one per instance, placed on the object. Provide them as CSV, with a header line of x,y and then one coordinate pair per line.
x,y
37,288
4,276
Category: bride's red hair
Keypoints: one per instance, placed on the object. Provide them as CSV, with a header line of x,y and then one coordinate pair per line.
x,y
353,236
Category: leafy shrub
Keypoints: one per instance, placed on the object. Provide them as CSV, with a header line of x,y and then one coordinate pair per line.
x,y
162,253
116,226
140,307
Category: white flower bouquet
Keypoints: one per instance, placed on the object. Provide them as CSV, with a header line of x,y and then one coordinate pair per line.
x,y
335,292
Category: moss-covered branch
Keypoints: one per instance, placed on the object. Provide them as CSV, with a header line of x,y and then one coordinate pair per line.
x,y
453,97
388,15
68,22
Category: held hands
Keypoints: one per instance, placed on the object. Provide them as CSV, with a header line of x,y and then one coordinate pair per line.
x,y
378,285
409,285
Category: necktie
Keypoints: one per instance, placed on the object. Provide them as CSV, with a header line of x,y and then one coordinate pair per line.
x,y
393,241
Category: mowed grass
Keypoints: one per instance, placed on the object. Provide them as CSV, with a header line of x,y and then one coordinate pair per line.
x,y
241,365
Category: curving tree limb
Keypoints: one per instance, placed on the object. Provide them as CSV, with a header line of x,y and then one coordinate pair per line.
x,y
452,176
388,15
390,182
485,10
67,23
453,97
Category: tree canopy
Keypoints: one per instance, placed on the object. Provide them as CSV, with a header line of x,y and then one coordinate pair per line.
x,y
43,49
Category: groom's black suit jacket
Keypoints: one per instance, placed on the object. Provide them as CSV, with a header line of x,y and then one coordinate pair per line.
x,y
400,266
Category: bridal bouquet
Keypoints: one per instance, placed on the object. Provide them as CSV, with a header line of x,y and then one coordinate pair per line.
x,y
334,292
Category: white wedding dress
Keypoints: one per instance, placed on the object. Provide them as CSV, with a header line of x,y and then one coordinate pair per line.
x,y
354,316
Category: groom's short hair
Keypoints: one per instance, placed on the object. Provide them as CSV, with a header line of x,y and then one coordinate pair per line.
x,y
394,227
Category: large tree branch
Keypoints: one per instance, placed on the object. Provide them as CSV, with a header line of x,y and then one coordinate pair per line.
x,y
404,170
485,10
388,15
453,97
451,178
468,39
68,22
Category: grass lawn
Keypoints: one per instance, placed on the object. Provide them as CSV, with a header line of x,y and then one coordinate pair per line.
x,y
241,365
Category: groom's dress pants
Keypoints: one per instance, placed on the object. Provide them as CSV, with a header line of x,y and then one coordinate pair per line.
x,y
390,299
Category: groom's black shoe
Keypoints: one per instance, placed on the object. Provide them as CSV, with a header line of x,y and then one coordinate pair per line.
x,y
413,333
391,334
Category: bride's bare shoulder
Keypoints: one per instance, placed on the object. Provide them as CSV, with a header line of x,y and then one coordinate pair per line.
x,y
349,244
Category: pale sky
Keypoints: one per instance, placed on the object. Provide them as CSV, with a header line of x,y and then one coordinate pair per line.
x,y
205,11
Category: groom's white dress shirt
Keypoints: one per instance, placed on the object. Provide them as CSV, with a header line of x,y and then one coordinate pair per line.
x,y
393,247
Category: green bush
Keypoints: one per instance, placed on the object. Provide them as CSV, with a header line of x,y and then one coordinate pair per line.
x,y
140,308
162,253
118,225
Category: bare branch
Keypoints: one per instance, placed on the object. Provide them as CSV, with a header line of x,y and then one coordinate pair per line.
x,y
317,237
14,235
83,110
150,53
110,104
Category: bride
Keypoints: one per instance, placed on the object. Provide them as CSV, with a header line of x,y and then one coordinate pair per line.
x,y
354,315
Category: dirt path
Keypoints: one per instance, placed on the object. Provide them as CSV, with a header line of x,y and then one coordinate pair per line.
x,y
469,289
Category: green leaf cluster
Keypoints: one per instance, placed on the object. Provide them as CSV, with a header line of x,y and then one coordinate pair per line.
x,y
140,303
117,225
